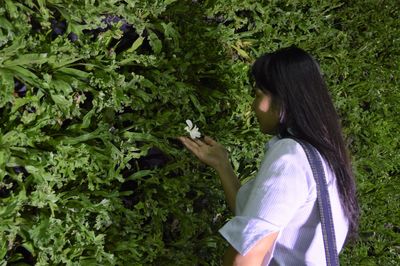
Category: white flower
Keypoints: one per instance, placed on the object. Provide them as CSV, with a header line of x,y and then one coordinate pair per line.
x,y
193,130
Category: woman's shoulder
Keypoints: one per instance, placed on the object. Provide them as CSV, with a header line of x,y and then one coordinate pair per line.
x,y
287,155
289,151
286,147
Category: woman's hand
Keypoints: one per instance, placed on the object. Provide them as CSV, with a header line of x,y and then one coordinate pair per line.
x,y
215,155
208,151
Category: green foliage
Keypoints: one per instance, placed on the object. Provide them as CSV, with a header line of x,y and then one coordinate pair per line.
x,y
94,93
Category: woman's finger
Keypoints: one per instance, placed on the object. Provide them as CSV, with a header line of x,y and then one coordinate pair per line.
x,y
209,140
199,142
188,140
191,145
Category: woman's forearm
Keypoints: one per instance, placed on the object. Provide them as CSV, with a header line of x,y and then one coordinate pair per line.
x,y
230,184
215,155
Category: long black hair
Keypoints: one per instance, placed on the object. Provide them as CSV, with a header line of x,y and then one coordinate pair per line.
x,y
294,79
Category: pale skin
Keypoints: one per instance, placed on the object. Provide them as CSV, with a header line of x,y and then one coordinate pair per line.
x,y
216,156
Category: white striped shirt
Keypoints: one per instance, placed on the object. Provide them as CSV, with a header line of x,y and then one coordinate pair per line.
x,y
282,197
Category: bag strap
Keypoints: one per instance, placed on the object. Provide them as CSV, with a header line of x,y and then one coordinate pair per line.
x,y
324,206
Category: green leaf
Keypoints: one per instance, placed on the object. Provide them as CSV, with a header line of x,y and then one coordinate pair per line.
x,y
61,86
19,102
25,75
17,44
140,174
62,62
61,102
5,24
241,52
27,59
74,72
155,42
3,250
6,87
138,42
87,118
12,9
136,136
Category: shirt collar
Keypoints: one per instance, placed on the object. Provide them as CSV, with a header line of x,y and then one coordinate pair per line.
x,y
275,139
271,142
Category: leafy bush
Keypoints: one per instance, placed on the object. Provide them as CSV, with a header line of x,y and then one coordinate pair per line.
x,y
94,93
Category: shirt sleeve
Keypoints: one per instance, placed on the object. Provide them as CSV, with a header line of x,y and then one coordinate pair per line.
x,y
280,188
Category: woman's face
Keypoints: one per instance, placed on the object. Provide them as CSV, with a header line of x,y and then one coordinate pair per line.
x,y
266,112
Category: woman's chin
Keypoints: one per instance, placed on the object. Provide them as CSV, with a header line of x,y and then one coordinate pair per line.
x,y
268,131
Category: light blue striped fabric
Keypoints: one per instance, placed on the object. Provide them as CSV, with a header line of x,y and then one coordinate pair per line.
x,y
282,197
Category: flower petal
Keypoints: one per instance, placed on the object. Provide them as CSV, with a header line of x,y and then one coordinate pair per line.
x,y
192,129
189,123
194,133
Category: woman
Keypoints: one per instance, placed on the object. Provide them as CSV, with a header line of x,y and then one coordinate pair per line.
x,y
276,218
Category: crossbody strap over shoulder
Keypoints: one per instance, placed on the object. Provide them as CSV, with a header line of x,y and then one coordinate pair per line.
x,y
324,206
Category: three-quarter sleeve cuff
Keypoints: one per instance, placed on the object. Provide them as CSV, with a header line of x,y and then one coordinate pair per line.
x,y
243,232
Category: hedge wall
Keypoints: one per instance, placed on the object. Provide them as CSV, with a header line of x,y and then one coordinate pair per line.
x,y
93,94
